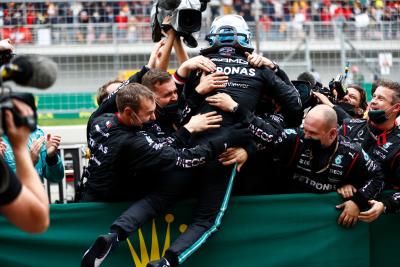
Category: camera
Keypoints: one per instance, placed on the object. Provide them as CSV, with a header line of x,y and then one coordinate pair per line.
x,y
7,104
185,18
306,85
28,70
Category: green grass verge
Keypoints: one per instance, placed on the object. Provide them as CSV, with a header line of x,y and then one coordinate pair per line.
x,y
62,122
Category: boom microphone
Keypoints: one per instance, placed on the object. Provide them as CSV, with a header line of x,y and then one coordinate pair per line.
x,y
30,70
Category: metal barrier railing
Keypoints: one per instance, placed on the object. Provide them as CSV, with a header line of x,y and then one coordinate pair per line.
x,y
140,32
73,159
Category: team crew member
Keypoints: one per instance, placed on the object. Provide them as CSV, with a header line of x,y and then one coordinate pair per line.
x,y
245,84
121,150
379,136
126,158
321,161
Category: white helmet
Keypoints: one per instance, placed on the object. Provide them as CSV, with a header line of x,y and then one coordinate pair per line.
x,y
230,30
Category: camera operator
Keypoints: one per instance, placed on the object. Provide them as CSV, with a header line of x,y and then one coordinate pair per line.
x,y
379,137
23,199
349,104
355,99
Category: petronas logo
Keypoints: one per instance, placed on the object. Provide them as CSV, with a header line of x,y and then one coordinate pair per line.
x,y
155,253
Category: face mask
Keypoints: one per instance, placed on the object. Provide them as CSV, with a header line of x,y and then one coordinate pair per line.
x,y
377,116
349,108
171,108
314,144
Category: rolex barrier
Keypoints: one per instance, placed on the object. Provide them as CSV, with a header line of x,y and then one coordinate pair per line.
x,y
278,230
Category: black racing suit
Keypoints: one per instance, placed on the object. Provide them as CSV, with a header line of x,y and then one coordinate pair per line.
x,y
344,162
245,86
261,173
125,159
109,105
383,147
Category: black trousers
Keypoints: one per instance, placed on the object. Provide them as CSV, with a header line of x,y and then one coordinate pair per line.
x,y
212,183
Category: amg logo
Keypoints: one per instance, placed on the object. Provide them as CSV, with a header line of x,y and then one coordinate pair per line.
x,y
237,70
231,60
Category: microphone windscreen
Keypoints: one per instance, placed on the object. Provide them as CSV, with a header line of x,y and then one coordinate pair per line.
x,y
169,4
42,71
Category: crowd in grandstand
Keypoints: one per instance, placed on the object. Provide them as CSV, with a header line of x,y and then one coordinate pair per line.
x,y
122,11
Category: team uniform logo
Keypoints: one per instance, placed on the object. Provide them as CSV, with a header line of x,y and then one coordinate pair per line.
x,y
227,51
338,159
387,145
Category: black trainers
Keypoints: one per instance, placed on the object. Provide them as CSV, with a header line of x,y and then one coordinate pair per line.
x,y
96,254
159,263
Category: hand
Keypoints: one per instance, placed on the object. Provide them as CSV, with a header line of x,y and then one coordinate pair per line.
x,y
377,208
346,191
323,99
53,142
155,54
18,136
222,101
166,21
5,44
203,122
258,61
234,155
196,63
209,83
35,149
349,215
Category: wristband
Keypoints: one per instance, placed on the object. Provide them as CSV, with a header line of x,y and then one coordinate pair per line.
x,y
275,68
178,79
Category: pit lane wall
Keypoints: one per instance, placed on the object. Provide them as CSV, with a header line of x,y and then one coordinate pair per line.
x,y
278,230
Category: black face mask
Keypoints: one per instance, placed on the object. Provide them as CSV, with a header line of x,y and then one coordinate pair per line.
x,y
377,116
314,144
170,109
349,108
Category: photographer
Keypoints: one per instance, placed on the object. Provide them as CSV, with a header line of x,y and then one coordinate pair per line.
x,y
23,200
353,104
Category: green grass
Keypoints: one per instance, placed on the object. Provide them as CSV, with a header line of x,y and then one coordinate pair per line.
x,y
62,122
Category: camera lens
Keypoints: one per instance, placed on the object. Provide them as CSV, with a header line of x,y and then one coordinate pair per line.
x,y
189,20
